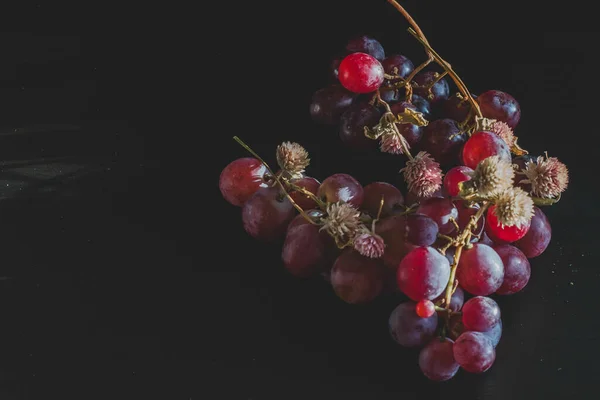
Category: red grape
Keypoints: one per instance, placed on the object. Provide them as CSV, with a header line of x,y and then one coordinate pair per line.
x,y
398,65
310,184
500,106
442,211
501,234
456,107
439,91
366,44
411,132
391,229
329,103
454,176
353,122
480,270
420,230
480,314
360,73
299,219
341,187
443,139
436,360
303,251
457,299
482,145
393,200
538,236
240,179
425,308
408,329
267,214
423,273
474,352
355,278
517,270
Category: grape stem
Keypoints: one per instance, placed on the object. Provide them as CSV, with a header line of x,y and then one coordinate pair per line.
x,y
308,193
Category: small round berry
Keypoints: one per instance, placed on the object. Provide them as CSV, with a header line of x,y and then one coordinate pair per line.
x,y
240,179
360,73
425,308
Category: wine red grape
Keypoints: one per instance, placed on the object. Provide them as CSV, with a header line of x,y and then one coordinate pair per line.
x,y
393,200
391,229
420,230
408,329
454,176
500,106
482,145
303,251
366,44
456,300
474,352
436,360
411,132
267,214
517,270
500,234
360,73
538,236
480,314
442,211
423,273
240,179
439,91
443,139
341,187
299,219
355,278
398,65
353,122
456,107
303,200
329,103
480,270
425,308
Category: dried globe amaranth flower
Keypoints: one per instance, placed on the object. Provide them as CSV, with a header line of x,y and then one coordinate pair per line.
x,y
422,175
491,176
504,131
391,142
369,245
342,222
513,207
548,177
292,158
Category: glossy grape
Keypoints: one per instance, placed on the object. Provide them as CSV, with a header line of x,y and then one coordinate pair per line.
x,y
505,234
456,300
425,308
439,91
398,65
304,201
538,237
423,106
329,103
495,333
454,176
456,107
411,132
436,360
353,122
393,200
390,95
480,270
480,314
517,270
267,214
341,187
500,106
408,329
442,211
482,145
443,139
355,278
423,274
360,73
474,352
420,230
303,251
366,44
240,179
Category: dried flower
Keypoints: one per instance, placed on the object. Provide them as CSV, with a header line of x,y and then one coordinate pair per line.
x,y
292,158
342,222
391,142
492,175
548,177
423,175
513,207
504,131
369,245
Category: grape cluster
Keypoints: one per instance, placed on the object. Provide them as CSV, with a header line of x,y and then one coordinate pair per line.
x,y
450,242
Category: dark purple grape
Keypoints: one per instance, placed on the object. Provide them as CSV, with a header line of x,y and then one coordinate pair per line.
x,y
500,106
366,44
411,132
456,107
408,329
304,250
480,314
517,270
464,217
341,187
423,274
442,211
398,65
355,278
538,236
393,200
420,230
267,214
353,122
458,297
412,198
335,65
436,360
495,333
480,270
329,103
474,352
439,91
391,95
423,106
485,239
443,139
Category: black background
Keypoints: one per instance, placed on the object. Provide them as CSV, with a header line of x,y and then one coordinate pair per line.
x,y
136,280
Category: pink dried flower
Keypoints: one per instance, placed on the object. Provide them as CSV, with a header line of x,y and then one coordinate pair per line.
x,y
369,245
422,175
548,177
391,142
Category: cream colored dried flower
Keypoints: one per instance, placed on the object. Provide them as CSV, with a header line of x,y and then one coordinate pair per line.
x,y
422,175
513,207
548,177
504,131
342,222
369,245
492,176
391,142
292,158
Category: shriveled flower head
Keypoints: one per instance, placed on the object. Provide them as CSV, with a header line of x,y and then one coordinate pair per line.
x,y
548,177
342,221
422,175
513,207
491,176
504,131
292,158
391,143
369,245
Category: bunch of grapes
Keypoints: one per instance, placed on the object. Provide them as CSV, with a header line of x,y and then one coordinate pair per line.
x,y
465,234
